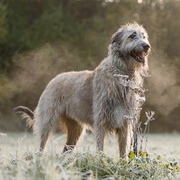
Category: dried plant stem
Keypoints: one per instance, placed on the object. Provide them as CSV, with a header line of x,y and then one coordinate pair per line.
x,y
134,98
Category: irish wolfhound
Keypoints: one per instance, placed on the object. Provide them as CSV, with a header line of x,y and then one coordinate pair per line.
x,y
106,99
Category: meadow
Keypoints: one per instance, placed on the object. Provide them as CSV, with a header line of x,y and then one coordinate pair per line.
x,y
19,159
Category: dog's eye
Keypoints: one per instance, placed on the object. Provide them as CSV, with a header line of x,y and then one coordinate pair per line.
x,y
143,36
132,36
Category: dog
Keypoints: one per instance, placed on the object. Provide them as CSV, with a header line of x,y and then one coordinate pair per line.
x,y
108,99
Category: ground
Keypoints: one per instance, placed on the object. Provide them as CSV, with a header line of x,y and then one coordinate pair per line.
x,y
19,159
165,145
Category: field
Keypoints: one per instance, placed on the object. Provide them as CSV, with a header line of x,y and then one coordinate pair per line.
x,y
19,159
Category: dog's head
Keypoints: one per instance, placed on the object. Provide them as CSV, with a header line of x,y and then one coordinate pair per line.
x,y
131,42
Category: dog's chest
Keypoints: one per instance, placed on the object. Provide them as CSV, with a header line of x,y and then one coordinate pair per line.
x,y
121,104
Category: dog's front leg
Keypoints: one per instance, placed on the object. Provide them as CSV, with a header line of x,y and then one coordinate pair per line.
x,y
99,133
124,139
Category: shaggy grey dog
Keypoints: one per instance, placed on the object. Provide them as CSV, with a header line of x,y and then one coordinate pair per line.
x,y
106,99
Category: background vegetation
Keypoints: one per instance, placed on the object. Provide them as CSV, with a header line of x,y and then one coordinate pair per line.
x,y
41,38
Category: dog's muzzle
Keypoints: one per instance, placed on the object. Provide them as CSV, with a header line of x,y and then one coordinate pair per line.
x,y
139,55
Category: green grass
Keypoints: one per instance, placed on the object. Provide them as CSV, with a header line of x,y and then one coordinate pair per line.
x,y
19,160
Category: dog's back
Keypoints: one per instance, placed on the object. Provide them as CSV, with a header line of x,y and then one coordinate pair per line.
x,y
68,94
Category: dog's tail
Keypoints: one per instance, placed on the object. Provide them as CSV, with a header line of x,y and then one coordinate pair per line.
x,y
26,114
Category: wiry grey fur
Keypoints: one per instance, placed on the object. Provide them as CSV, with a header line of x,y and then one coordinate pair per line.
x,y
106,99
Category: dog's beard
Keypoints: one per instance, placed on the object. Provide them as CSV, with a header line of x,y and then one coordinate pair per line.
x,y
138,56
137,53
137,50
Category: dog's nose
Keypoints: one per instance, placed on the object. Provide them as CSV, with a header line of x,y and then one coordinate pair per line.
x,y
146,46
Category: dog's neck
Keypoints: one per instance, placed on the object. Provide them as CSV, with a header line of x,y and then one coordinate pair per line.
x,y
123,66
118,63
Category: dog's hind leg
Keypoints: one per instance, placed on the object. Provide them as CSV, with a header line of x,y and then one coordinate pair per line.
x,y
74,131
45,124
44,137
45,130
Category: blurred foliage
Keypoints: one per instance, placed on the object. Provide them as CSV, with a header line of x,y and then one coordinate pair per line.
x,y
41,38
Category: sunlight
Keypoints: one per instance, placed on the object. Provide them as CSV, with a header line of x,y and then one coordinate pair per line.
x,y
139,1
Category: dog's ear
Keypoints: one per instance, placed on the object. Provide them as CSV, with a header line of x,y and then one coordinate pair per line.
x,y
116,37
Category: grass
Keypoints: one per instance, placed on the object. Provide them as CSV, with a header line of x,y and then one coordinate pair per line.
x,y
19,159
